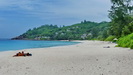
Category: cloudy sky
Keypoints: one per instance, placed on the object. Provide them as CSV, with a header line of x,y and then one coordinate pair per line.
x,y
17,16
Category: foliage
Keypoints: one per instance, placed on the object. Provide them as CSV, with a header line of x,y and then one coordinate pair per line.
x,y
131,44
80,31
110,38
128,29
126,41
121,17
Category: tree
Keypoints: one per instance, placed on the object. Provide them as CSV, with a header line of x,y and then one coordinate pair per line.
x,y
94,32
120,15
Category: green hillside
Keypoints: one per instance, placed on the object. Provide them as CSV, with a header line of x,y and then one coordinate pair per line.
x,y
80,31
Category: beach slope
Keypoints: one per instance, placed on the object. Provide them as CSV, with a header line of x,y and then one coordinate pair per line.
x,y
85,58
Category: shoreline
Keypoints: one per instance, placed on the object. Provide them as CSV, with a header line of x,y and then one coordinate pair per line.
x,y
85,58
38,44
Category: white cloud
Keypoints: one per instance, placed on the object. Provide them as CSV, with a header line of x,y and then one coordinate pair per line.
x,y
12,4
82,9
52,9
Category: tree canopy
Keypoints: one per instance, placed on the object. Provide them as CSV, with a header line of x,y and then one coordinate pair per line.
x,y
121,17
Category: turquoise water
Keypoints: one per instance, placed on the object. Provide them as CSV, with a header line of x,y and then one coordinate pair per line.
x,y
6,45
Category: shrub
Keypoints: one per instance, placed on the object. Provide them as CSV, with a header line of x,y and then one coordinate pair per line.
x,y
126,41
110,38
131,44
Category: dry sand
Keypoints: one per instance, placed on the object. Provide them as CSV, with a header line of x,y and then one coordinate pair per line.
x,y
86,58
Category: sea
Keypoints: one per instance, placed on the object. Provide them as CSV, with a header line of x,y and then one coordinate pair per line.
x,y
7,45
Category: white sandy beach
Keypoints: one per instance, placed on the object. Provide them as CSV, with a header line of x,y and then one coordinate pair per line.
x,y
86,58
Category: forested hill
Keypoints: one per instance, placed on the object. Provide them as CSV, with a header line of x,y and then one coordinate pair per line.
x,y
80,31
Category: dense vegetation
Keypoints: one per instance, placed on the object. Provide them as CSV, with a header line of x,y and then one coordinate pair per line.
x,y
84,30
126,41
121,18
121,25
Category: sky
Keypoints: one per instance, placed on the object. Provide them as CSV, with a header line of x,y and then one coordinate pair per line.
x,y
17,16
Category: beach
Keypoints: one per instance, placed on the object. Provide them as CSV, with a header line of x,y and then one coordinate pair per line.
x,y
85,58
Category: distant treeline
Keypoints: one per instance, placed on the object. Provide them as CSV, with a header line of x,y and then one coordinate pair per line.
x,y
81,31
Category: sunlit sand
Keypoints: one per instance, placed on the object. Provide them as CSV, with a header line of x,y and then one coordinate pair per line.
x,y
85,58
